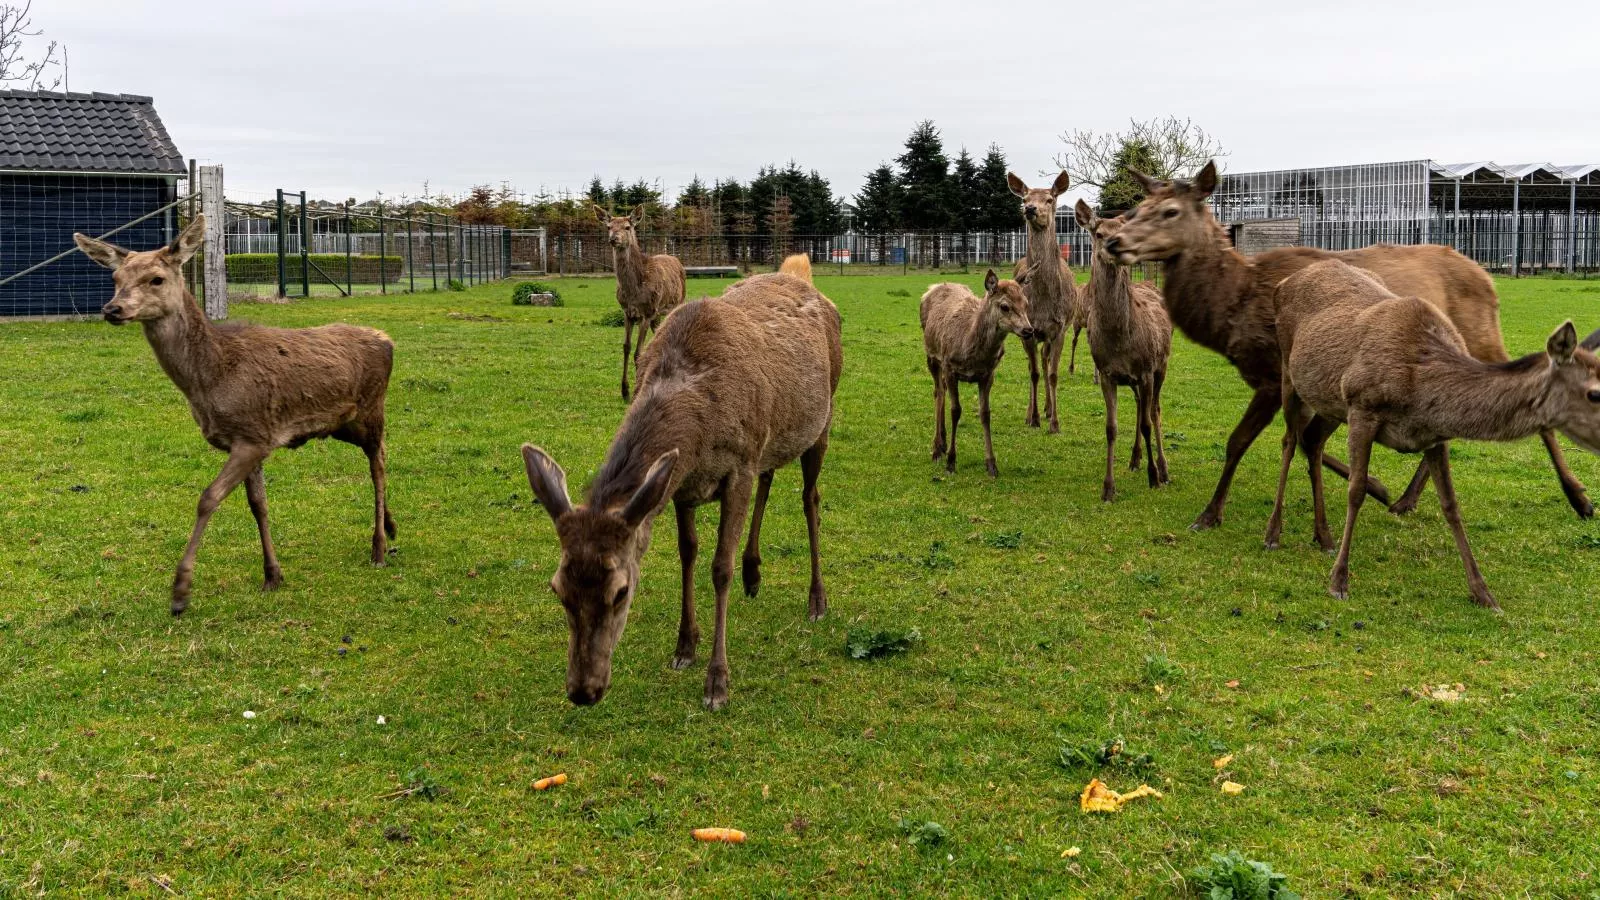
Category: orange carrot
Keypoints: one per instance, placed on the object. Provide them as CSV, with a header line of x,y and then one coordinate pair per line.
x,y
725,835
545,784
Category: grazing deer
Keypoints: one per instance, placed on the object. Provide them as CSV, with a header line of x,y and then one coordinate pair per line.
x,y
1080,309
648,287
1130,338
731,389
252,389
1223,300
965,337
798,265
1398,372
1052,293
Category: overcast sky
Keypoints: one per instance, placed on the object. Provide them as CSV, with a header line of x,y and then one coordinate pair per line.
x,y
348,98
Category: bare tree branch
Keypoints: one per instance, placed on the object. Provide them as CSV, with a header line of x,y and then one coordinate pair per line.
x,y
47,71
1179,145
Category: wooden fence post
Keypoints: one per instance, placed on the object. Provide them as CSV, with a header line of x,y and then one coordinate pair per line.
x,y
216,244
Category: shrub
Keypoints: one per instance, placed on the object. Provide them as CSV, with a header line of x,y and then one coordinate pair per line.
x,y
456,285
522,294
263,267
613,318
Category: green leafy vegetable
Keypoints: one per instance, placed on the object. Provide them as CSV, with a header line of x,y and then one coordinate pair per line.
x,y
865,643
1232,877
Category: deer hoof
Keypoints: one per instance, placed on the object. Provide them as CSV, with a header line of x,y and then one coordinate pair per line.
x,y
1108,493
992,469
1483,598
1582,506
179,604
752,576
681,660
1207,521
273,581
1055,428
1404,506
716,689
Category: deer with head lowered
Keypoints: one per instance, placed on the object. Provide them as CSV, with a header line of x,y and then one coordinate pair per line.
x,y
1130,338
1223,300
648,287
965,338
1399,373
252,389
1052,293
731,389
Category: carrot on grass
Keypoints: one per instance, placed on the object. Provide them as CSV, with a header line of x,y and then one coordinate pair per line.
x,y
725,835
552,781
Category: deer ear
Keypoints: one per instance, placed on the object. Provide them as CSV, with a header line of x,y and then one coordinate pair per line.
x,y
188,241
638,214
1592,342
1063,181
600,215
1146,183
109,255
549,483
1016,185
1563,343
990,282
1206,181
652,493
1083,214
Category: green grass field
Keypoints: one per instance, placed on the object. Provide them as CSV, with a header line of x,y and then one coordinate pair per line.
x,y
1048,619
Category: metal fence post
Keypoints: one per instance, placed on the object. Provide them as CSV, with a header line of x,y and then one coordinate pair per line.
x,y
383,254
461,254
411,268
349,260
305,249
283,237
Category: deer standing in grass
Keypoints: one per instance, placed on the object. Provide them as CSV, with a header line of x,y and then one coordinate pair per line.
x,y
1400,374
252,389
1080,308
731,389
648,287
1130,338
1052,294
1223,300
965,338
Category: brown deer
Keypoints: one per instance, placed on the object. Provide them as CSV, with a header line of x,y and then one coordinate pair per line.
x,y
731,389
965,338
252,389
1130,338
1223,300
1052,293
648,287
1080,310
1398,372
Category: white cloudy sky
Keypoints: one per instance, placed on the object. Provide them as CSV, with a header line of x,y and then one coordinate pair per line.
x,y
346,97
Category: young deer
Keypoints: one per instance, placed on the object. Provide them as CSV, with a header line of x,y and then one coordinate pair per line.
x,y
252,389
1080,308
648,287
1052,293
1223,300
965,337
1130,338
1399,373
731,389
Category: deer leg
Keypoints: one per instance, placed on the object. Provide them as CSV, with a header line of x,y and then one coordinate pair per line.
x,y
1031,348
1052,369
241,461
1161,441
1263,405
983,416
955,420
1439,462
938,409
1363,429
1375,488
1147,415
255,489
810,469
1577,496
1137,456
1072,357
735,504
750,569
1293,422
1313,439
688,549
627,349
1108,488
383,525
1408,500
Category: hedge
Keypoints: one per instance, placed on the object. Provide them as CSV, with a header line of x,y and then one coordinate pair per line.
x,y
263,267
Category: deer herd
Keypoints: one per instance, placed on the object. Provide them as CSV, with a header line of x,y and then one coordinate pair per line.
x,y
1401,344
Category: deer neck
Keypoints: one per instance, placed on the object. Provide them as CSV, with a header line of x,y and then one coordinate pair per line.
x,y
1110,294
986,336
663,417
630,267
1487,402
1044,266
186,346
1205,284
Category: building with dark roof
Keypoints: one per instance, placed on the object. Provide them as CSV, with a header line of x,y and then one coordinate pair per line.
x,y
77,162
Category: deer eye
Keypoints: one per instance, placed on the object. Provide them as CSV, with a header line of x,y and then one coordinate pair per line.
x,y
1594,395
622,594
1170,213
1005,307
157,281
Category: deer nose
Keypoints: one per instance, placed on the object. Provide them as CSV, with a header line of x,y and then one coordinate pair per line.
x,y
112,312
1114,244
1030,209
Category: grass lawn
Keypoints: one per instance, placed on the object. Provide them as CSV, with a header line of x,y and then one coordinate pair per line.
x,y
1048,619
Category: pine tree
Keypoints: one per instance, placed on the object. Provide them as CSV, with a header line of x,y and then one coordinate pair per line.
x,y
694,194
927,201
968,197
597,193
998,208
1121,192
878,207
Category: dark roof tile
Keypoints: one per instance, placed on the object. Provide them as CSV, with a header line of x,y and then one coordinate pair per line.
x,y
53,131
